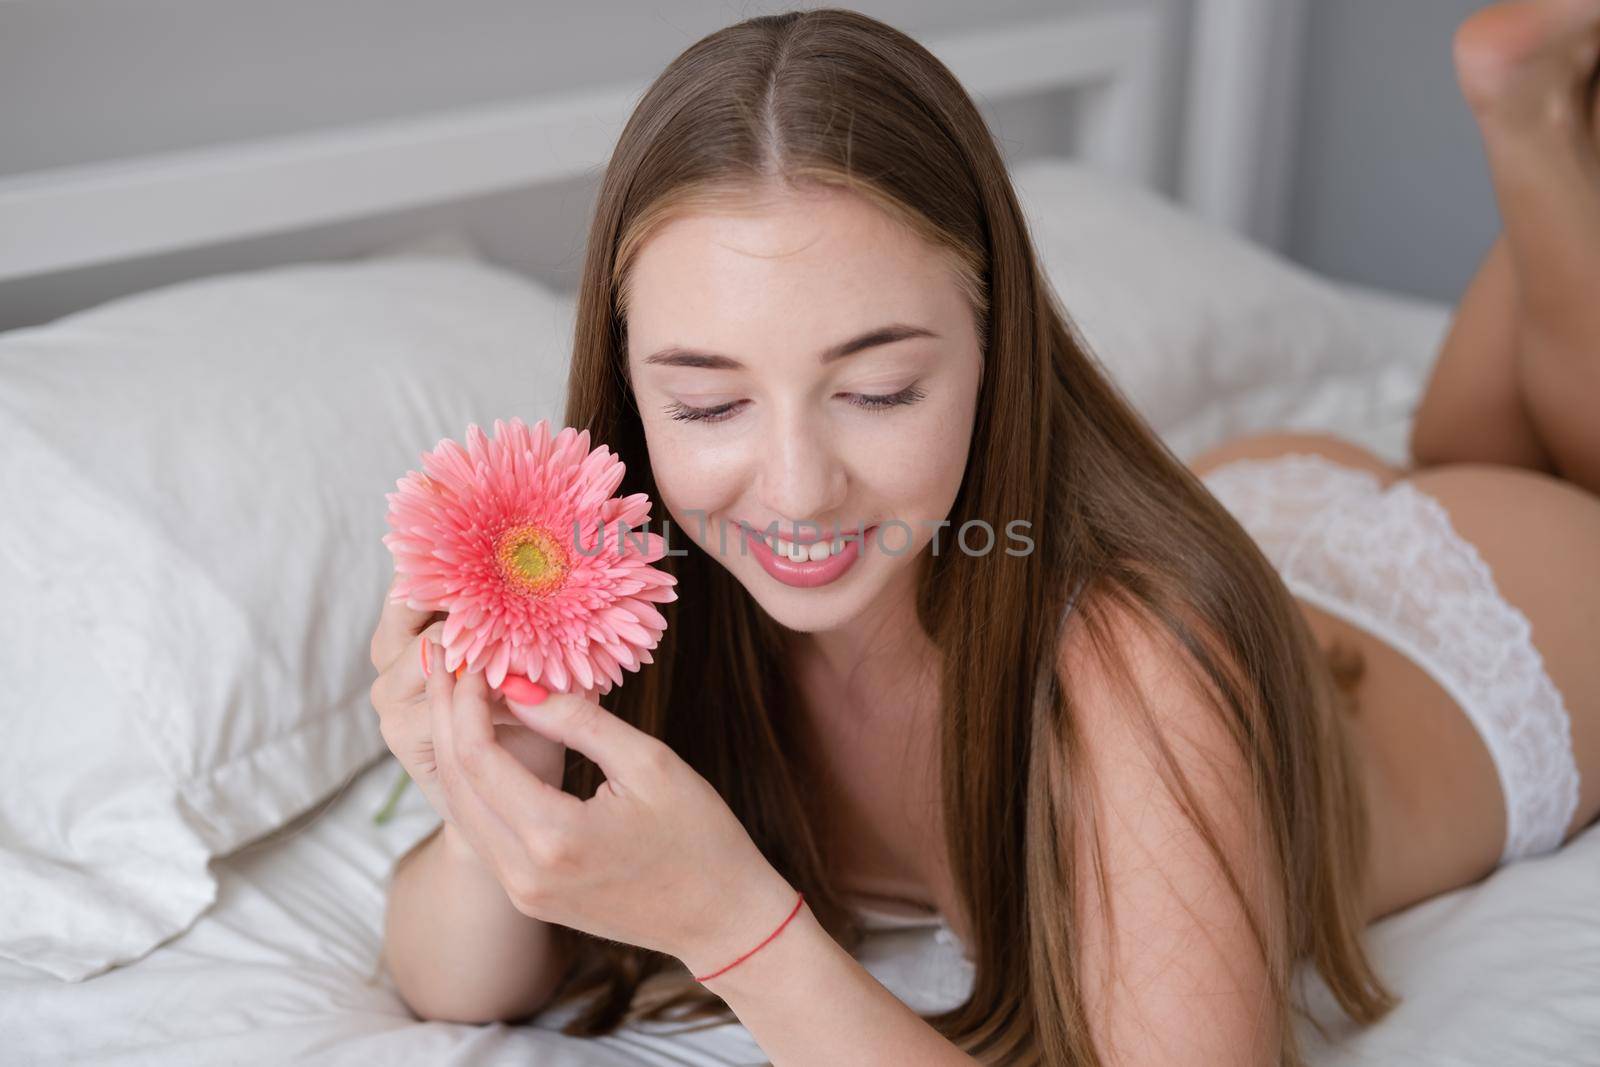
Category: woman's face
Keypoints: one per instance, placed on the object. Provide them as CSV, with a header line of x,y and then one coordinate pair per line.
x,y
805,370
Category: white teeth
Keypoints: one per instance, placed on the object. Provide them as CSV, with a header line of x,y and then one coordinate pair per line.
x,y
815,552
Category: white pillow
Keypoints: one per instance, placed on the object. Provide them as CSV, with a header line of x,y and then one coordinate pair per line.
x,y
1207,334
191,560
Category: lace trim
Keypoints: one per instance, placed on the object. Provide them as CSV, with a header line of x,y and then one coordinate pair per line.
x,y
1389,561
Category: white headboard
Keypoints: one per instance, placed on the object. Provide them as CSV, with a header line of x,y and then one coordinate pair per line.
x,y
1115,87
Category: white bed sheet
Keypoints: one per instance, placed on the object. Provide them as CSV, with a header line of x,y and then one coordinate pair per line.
x,y
285,967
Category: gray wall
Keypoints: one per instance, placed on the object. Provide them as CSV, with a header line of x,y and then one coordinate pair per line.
x,y
1390,185
88,80
84,80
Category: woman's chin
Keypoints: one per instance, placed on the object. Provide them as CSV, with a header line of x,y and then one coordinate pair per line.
x,y
813,609
832,606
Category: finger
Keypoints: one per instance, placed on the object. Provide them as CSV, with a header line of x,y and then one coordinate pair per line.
x,y
518,796
579,723
398,625
483,828
404,680
517,688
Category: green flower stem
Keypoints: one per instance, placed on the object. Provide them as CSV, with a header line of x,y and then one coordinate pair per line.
x,y
386,812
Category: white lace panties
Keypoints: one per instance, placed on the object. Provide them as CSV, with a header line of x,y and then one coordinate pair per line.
x,y
1389,561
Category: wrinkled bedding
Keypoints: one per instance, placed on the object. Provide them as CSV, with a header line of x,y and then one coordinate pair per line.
x,y
286,967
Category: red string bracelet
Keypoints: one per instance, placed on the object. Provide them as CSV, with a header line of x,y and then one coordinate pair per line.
x,y
798,901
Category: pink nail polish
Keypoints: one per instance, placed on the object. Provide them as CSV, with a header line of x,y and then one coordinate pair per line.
x,y
426,670
520,689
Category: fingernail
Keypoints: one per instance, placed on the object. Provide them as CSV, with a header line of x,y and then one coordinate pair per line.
x,y
426,670
518,688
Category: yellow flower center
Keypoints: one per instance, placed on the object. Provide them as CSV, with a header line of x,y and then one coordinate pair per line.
x,y
532,559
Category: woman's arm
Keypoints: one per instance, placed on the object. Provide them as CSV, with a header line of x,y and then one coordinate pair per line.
x,y
459,951
808,1003
1172,972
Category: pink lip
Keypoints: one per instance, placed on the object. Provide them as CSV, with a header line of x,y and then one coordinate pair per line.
x,y
806,575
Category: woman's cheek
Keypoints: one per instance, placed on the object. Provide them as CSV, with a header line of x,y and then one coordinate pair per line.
x,y
667,458
918,465
696,484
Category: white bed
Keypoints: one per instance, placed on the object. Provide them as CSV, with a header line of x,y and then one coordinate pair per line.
x,y
284,966
285,969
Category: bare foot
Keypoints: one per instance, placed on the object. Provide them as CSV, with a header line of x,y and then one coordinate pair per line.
x,y
1527,69
1529,63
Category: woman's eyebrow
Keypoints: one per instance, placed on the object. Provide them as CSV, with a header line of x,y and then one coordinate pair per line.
x,y
676,356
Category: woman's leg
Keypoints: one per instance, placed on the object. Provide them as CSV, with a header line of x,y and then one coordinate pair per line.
x,y
1540,539
1472,409
1528,70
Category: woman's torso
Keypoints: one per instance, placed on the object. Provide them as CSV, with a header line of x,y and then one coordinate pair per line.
x,y
1422,766
1435,813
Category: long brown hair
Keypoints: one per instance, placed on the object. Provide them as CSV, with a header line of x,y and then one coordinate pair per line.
x,y
836,98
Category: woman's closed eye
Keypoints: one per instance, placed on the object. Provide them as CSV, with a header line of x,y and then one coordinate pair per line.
x,y
871,401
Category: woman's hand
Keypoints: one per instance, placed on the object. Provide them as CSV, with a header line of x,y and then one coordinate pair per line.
x,y
398,695
655,858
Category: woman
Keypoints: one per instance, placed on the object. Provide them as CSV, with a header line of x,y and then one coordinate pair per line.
x,y
1137,776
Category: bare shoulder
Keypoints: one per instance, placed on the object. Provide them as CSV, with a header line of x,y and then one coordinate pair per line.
x,y
1137,661
1173,969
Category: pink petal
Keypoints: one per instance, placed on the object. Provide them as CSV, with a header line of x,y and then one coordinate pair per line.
x,y
495,673
444,524
581,669
556,673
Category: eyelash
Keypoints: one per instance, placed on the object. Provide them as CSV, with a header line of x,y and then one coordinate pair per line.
x,y
871,401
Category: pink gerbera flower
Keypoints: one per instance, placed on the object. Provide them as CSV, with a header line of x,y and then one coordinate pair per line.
x,y
519,539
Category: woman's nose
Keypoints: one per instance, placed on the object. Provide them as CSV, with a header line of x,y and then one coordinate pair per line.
x,y
802,478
